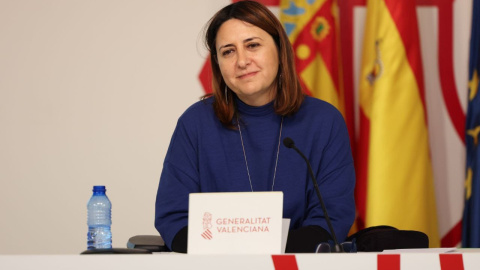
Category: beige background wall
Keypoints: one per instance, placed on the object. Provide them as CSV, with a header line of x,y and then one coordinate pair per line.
x,y
90,91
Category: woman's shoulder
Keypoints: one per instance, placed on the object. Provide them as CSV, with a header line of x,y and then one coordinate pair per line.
x,y
315,106
198,109
320,118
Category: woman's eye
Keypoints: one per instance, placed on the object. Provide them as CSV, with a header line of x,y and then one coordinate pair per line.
x,y
253,45
227,52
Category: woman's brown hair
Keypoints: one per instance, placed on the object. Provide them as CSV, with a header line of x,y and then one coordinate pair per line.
x,y
289,94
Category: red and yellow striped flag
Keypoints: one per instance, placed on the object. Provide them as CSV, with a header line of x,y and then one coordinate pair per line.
x,y
312,27
394,176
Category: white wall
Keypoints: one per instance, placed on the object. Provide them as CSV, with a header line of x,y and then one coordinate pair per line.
x,y
90,91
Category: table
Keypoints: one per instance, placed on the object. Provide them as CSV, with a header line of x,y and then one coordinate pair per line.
x,y
463,259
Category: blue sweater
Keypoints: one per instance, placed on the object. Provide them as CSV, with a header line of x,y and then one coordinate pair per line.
x,y
204,156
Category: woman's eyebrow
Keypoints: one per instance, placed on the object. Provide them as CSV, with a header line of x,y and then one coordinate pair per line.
x,y
244,41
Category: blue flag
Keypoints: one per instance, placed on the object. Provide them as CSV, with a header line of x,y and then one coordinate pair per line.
x,y
471,214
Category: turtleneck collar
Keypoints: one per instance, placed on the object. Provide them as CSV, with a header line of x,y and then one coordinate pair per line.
x,y
246,109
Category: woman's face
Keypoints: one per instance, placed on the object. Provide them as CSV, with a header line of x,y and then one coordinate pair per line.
x,y
248,60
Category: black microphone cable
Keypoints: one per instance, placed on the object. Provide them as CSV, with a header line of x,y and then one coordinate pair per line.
x,y
288,142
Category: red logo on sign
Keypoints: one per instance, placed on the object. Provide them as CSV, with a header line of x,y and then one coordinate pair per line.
x,y
207,225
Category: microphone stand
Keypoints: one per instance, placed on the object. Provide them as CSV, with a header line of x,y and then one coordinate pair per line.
x,y
290,144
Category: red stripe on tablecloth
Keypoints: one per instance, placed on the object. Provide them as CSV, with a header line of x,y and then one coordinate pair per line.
x,y
451,262
284,262
388,262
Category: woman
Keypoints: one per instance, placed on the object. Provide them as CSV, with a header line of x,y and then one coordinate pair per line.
x,y
231,141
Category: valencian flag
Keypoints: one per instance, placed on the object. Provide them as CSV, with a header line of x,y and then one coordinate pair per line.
x,y
471,214
312,29
394,171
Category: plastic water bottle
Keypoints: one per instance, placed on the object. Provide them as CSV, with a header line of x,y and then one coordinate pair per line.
x,y
99,220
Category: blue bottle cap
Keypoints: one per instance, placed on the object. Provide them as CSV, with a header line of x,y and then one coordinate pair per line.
x,y
99,188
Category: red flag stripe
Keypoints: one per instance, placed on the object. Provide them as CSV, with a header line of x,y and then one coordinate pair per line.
x,y
361,169
284,262
388,262
453,237
408,30
451,262
445,68
205,76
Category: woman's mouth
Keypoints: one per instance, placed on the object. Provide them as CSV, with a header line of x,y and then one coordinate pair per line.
x,y
247,75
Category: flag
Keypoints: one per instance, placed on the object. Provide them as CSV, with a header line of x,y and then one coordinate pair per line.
x,y
471,213
394,171
312,27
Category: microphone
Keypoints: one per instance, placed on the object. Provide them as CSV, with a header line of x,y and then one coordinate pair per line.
x,y
288,142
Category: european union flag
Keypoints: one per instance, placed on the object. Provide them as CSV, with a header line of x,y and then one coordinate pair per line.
x,y
471,214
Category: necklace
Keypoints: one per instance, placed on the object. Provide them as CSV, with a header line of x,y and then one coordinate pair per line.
x,y
245,155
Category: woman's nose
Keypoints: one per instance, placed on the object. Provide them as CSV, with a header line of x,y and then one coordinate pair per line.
x,y
243,59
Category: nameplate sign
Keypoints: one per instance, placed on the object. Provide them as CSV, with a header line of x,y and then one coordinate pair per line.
x,y
235,223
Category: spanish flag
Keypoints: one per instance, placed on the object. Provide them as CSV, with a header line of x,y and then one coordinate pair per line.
x,y
471,213
394,171
312,27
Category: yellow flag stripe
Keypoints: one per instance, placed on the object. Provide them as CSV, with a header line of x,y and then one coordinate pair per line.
x,y
400,190
317,77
